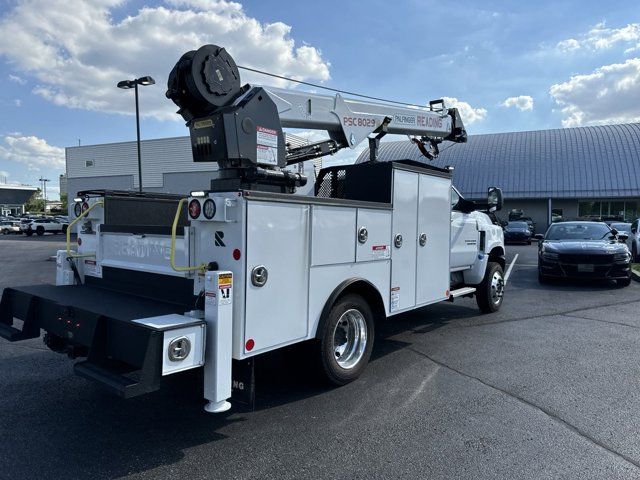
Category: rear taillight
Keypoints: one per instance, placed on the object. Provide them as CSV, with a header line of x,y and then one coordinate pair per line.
x,y
194,208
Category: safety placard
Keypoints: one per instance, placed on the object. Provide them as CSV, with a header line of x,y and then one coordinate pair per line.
x,y
224,288
266,145
380,251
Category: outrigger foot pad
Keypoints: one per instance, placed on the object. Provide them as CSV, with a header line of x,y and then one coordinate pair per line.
x,y
217,407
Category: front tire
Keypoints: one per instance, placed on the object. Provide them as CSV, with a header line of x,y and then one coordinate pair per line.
x,y
634,253
40,231
347,339
490,292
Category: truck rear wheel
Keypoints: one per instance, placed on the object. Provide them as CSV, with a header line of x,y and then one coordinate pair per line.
x,y
347,339
490,292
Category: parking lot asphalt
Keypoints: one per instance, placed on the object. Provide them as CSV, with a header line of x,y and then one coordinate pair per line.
x,y
545,388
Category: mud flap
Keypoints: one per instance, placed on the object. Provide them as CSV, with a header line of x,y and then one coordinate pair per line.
x,y
243,383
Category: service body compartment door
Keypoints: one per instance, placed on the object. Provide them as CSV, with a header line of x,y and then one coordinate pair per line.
x,y
404,241
278,240
432,280
376,244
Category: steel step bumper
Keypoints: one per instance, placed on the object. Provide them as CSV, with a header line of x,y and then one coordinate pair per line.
x,y
123,354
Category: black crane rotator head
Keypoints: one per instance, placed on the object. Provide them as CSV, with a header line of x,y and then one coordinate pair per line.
x,y
236,126
204,80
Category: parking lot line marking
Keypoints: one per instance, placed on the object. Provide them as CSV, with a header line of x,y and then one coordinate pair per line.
x,y
508,274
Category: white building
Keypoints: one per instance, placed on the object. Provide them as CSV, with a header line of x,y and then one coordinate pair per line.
x,y
167,166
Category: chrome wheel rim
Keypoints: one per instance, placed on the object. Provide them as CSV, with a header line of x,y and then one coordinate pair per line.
x,y
349,339
497,288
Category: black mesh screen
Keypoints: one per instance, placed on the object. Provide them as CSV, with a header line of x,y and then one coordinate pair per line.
x,y
331,183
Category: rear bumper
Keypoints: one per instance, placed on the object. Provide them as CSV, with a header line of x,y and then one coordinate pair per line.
x,y
123,355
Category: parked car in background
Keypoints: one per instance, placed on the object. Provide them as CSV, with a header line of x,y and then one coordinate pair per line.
x,y
40,226
518,232
8,226
633,242
584,250
623,228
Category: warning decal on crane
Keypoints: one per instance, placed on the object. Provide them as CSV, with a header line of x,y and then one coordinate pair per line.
x,y
267,145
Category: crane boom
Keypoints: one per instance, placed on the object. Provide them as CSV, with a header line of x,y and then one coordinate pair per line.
x,y
240,127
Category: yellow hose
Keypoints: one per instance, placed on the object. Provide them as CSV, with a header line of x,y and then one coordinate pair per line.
x,y
82,215
172,255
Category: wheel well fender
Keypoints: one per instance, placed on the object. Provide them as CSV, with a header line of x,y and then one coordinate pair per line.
x,y
497,255
359,286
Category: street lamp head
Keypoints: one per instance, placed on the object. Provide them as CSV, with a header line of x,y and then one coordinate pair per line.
x,y
146,81
125,84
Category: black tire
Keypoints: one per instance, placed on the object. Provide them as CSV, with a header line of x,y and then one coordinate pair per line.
x,y
487,296
634,253
40,231
334,372
625,282
5,232
529,242
29,233
64,228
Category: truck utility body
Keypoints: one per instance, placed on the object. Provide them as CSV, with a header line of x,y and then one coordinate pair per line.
x,y
160,284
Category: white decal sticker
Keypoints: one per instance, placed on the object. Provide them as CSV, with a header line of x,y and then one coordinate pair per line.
x,y
210,299
92,268
267,146
380,251
395,298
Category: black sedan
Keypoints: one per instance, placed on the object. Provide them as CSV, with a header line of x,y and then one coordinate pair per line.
x,y
517,232
590,250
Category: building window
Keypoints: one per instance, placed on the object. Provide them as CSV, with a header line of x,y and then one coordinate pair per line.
x,y
623,210
556,215
589,209
88,163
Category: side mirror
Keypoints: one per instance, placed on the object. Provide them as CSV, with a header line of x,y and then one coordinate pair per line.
x,y
494,199
614,231
538,236
622,237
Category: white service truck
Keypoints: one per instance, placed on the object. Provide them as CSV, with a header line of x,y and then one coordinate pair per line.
x,y
160,284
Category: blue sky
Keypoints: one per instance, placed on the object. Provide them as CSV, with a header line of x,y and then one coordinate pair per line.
x,y
507,65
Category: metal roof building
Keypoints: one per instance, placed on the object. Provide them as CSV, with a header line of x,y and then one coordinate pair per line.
x,y
570,172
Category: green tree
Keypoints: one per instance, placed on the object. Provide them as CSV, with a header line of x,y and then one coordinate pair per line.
x,y
35,204
64,199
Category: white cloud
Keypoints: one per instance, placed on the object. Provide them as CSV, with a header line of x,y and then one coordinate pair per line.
x,y
31,151
17,79
17,102
4,175
602,38
77,52
610,94
468,113
521,102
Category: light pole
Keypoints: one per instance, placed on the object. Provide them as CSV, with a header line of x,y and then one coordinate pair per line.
x,y
44,188
126,84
